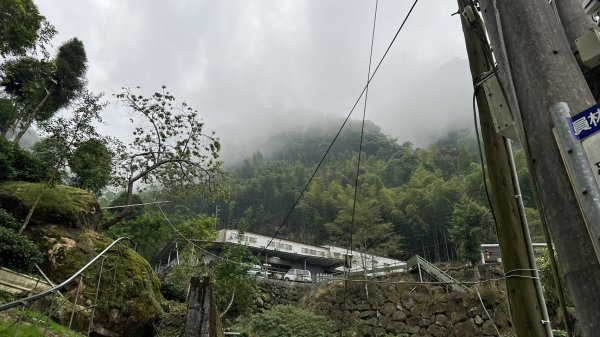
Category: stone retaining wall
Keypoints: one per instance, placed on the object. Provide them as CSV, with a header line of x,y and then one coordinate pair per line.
x,y
392,308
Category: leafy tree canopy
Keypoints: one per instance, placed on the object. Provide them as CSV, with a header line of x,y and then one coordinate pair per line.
x,y
22,27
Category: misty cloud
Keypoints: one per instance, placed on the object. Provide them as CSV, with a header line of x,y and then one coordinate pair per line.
x,y
241,62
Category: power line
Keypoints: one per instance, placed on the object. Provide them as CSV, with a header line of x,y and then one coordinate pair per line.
x,y
184,237
142,204
343,124
360,144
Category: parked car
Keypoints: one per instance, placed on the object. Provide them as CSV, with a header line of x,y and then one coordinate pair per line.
x,y
258,271
299,275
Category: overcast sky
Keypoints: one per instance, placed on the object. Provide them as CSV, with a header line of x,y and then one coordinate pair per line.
x,y
254,67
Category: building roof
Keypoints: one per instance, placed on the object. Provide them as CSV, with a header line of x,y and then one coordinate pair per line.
x,y
325,262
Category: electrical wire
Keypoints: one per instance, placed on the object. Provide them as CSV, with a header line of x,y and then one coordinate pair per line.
x,y
278,230
483,173
185,238
360,144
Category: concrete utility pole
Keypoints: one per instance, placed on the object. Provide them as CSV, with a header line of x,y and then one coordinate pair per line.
x,y
532,51
575,24
526,304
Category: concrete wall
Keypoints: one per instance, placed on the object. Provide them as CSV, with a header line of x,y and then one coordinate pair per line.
x,y
17,283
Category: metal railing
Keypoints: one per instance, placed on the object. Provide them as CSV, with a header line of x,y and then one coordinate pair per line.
x,y
56,290
422,265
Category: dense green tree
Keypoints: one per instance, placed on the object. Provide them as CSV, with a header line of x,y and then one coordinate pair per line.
x,y
471,225
120,200
149,230
16,251
91,163
64,134
22,27
41,87
412,190
19,164
235,288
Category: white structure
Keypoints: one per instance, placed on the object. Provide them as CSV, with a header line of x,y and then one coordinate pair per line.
x,y
372,263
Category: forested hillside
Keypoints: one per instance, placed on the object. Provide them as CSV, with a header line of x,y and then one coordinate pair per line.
x,y
428,201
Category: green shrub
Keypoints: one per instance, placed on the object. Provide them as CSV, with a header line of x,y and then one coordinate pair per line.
x,y
288,321
17,252
174,292
17,164
8,221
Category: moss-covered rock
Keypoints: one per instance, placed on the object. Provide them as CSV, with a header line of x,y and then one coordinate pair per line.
x,y
129,299
60,204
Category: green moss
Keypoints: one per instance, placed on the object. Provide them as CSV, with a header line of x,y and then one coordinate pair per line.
x,y
128,286
60,204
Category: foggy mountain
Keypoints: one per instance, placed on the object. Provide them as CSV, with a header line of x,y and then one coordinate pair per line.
x,y
438,103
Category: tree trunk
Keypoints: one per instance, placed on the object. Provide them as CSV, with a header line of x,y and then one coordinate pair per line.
x,y
121,215
31,210
34,206
24,127
31,118
228,305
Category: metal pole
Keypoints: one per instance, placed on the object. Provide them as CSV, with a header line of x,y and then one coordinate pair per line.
x,y
20,318
90,327
584,184
526,235
49,313
420,275
75,302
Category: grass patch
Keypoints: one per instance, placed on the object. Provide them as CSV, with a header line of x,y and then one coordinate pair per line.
x,y
33,324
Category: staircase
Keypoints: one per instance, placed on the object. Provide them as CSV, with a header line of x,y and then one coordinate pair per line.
x,y
420,265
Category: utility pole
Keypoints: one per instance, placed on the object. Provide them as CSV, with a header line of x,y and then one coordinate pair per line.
x,y
575,24
539,70
526,302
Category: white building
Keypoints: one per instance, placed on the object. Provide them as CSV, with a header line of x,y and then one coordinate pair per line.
x,y
308,256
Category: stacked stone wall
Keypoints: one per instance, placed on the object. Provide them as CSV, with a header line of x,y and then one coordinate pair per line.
x,y
397,306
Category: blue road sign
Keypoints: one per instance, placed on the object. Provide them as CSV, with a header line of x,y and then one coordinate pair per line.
x,y
587,122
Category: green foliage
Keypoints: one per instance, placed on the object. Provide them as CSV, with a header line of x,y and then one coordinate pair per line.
x,y
232,280
148,230
406,196
121,200
65,135
22,27
370,234
190,264
169,146
8,221
174,292
91,163
288,321
17,252
546,275
471,225
42,87
30,325
18,164
198,228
